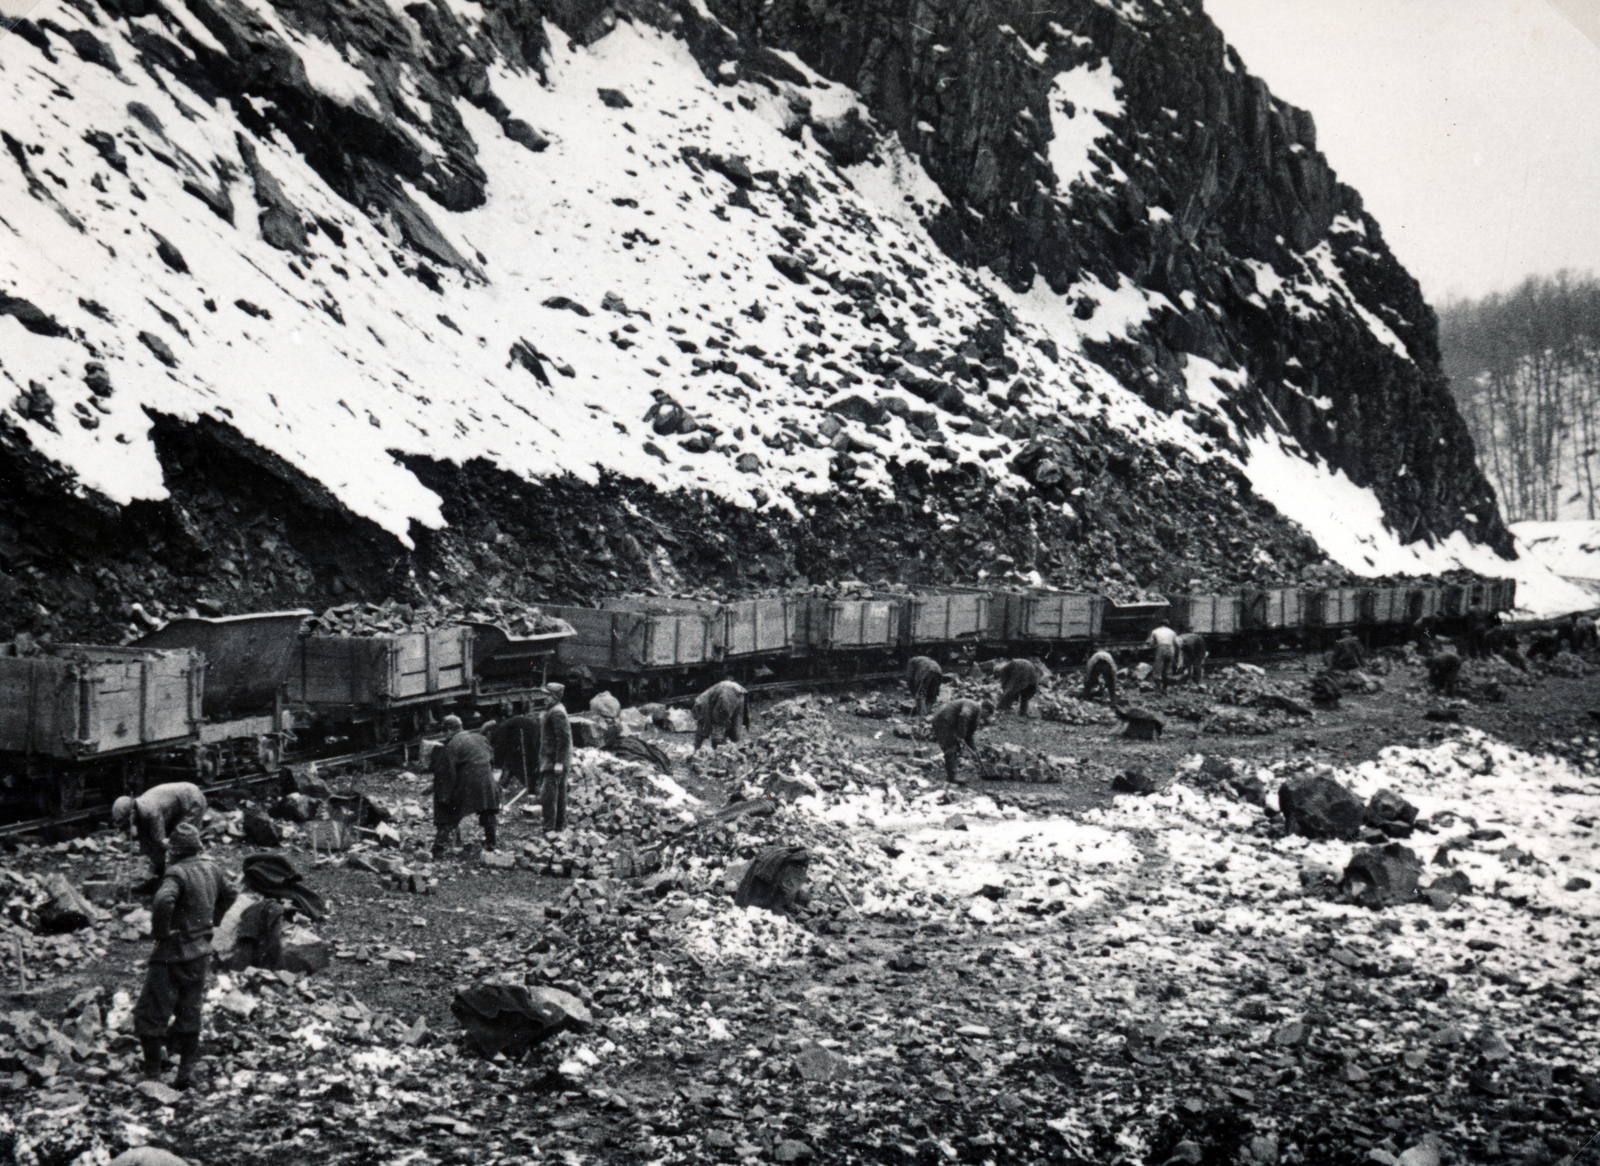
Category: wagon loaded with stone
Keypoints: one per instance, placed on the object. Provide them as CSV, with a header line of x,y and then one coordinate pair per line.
x,y
199,700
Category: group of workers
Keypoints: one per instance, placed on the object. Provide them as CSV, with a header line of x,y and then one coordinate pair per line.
x,y
193,893
954,724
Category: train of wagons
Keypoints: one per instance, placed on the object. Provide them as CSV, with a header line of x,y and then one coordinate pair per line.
x,y
211,699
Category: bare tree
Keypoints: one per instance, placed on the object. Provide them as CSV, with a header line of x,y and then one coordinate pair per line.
x,y
1525,370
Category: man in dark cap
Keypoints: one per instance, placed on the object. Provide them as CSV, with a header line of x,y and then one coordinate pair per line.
x,y
1348,654
515,741
155,813
463,784
193,897
555,760
1192,656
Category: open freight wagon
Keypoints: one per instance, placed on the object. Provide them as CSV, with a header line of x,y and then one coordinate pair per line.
x,y
1037,621
83,718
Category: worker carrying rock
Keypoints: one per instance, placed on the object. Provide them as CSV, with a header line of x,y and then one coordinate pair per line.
x,y
1348,654
924,678
1165,642
156,813
1101,672
954,725
720,710
1192,656
1019,682
555,760
463,785
193,897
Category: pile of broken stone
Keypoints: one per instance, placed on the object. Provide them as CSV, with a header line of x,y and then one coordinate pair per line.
x,y
1243,963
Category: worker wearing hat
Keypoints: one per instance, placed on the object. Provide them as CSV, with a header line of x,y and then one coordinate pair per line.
x,y
155,813
555,759
463,784
193,897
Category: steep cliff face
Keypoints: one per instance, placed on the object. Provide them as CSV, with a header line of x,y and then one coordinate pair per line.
x,y
1207,190
298,299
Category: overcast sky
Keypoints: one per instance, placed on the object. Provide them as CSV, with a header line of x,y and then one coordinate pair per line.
x,y
1470,127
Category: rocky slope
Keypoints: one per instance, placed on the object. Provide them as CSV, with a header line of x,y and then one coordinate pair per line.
x,y
566,297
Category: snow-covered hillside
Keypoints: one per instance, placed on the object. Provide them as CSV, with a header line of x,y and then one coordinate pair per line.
x,y
607,257
620,262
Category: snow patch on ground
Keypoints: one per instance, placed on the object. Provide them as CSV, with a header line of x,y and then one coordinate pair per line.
x,y
1570,549
1347,522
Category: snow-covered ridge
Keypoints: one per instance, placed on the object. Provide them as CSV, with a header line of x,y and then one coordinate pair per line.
x,y
645,232
659,266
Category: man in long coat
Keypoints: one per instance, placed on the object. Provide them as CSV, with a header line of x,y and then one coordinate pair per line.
x,y
463,784
720,709
924,678
193,897
154,814
555,760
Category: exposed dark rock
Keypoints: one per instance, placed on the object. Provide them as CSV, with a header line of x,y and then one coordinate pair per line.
x,y
170,255
524,134
1319,807
775,879
158,348
30,316
1382,877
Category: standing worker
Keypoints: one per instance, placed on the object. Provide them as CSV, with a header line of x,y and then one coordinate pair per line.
x,y
463,784
555,760
722,706
1165,641
193,897
1101,673
156,813
954,725
1192,656
924,678
1019,681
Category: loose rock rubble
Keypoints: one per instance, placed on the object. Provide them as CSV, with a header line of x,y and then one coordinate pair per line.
x,y
390,617
951,973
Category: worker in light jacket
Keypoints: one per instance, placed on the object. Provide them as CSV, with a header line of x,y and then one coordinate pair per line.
x,y
154,814
720,710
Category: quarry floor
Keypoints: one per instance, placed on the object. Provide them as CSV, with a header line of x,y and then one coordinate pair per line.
x,y
988,973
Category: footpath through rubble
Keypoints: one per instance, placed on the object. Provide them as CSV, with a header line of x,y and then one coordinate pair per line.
x,y
966,974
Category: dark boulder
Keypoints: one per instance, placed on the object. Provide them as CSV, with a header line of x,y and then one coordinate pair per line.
x,y
775,879
511,1018
1321,808
1380,877
1391,813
